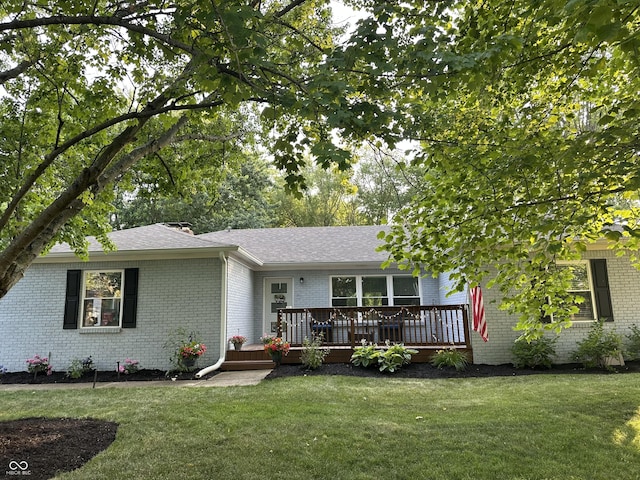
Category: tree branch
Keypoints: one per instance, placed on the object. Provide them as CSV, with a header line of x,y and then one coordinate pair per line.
x,y
152,109
128,160
298,32
92,20
288,8
209,138
564,198
27,245
15,72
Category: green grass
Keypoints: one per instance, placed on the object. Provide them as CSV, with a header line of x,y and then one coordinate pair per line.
x,y
529,427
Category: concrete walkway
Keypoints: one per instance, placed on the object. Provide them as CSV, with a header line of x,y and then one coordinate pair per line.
x,y
222,379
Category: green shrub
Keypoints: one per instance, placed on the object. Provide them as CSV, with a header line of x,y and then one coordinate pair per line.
x,y
392,357
535,353
597,346
632,347
450,357
313,354
388,358
79,367
365,355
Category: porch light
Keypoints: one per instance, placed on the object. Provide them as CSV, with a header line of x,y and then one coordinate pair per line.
x,y
301,280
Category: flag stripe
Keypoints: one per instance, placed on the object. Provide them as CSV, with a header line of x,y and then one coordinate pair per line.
x,y
479,320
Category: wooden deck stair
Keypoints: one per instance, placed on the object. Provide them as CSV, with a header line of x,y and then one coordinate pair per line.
x,y
251,357
236,365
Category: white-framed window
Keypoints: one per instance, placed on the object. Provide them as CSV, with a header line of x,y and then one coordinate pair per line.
x,y
406,290
102,298
374,290
344,292
582,285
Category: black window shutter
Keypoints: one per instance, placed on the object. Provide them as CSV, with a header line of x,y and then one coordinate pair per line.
x,y
545,318
72,299
130,299
601,290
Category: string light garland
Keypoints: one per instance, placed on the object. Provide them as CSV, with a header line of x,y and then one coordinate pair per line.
x,y
447,319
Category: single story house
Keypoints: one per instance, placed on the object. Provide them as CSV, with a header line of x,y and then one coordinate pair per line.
x,y
287,281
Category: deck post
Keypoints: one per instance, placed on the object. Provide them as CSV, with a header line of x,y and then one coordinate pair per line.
x,y
279,324
467,333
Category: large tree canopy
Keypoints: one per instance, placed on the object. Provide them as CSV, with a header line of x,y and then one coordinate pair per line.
x,y
529,148
526,113
92,87
240,195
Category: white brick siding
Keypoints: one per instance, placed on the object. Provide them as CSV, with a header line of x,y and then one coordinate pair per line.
x,y
240,299
171,294
624,286
446,296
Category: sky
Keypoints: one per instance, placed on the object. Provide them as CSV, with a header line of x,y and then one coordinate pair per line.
x,y
343,14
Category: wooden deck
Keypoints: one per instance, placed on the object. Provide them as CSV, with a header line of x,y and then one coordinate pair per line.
x,y
253,357
421,327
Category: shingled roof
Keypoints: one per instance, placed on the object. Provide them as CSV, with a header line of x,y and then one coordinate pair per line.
x,y
301,246
157,239
306,245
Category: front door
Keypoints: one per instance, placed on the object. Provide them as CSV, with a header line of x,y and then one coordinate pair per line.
x,y
278,293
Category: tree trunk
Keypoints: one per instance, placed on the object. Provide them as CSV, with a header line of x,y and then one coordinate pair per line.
x,y
30,243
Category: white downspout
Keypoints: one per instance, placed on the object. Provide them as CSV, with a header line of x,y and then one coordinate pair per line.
x,y
223,321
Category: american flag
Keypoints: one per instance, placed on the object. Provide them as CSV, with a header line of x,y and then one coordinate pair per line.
x,y
477,305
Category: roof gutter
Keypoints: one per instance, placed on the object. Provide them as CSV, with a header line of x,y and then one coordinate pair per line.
x,y
223,321
142,254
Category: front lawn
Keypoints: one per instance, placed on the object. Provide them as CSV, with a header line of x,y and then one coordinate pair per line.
x,y
323,427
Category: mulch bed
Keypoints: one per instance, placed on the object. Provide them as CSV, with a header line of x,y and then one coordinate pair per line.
x,y
100,377
42,447
39,448
427,371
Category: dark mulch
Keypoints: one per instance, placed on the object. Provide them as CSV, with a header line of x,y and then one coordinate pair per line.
x,y
110,376
38,448
426,370
41,447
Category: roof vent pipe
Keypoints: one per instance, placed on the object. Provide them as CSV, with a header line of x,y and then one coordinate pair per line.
x,y
181,226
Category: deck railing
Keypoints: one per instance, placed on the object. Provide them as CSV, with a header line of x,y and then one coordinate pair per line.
x,y
432,325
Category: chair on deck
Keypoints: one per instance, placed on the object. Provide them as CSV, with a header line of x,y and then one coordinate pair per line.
x,y
391,329
322,327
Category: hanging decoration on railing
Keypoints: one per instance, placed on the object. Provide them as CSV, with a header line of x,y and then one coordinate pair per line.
x,y
339,314
418,325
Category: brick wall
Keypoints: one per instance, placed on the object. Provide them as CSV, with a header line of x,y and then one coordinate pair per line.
x,y
446,295
171,294
624,285
240,298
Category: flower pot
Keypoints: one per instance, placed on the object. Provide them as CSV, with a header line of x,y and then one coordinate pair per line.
x,y
276,357
189,362
613,360
237,346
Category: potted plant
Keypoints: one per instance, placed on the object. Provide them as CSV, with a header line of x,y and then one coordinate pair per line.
x,y
190,352
275,347
185,349
238,341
